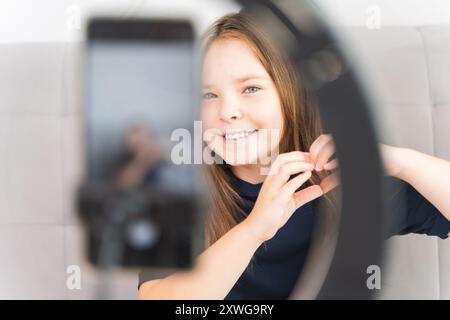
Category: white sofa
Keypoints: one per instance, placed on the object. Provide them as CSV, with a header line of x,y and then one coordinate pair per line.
x,y
409,69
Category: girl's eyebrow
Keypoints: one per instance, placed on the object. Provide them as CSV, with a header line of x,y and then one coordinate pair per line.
x,y
250,77
241,79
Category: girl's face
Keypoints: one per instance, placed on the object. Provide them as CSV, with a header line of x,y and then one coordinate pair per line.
x,y
241,108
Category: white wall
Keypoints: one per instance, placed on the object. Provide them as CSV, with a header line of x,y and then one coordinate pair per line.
x,y
392,12
56,20
64,20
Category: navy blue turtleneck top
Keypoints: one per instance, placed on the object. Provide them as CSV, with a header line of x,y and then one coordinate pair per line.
x,y
278,262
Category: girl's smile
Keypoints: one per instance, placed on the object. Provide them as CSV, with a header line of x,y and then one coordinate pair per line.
x,y
234,135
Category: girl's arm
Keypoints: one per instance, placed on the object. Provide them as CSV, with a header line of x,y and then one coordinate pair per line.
x,y
220,266
429,175
216,271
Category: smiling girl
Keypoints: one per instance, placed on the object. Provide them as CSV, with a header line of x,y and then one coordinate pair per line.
x,y
267,218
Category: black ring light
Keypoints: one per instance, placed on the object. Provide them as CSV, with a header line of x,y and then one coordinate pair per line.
x,y
345,112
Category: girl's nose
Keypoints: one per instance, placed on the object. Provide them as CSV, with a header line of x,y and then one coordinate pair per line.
x,y
230,111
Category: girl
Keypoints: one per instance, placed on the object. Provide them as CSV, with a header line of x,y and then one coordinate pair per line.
x,y
250,87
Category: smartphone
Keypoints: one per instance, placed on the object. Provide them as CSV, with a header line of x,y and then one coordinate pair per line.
x,y
141,85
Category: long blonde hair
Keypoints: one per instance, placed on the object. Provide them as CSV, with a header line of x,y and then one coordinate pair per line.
x,y
302,124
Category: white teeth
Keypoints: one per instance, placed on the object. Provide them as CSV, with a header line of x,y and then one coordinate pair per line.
x,y
238,135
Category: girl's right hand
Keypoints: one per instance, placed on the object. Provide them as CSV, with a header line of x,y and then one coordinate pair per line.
x,y
278,199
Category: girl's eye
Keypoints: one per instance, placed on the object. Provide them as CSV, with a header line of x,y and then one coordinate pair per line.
x,y
251,89
208,95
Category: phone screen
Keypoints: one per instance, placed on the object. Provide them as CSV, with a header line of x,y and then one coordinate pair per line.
x,y
140,86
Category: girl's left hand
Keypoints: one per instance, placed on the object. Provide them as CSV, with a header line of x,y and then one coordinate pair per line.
x,y
322,149
320,152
